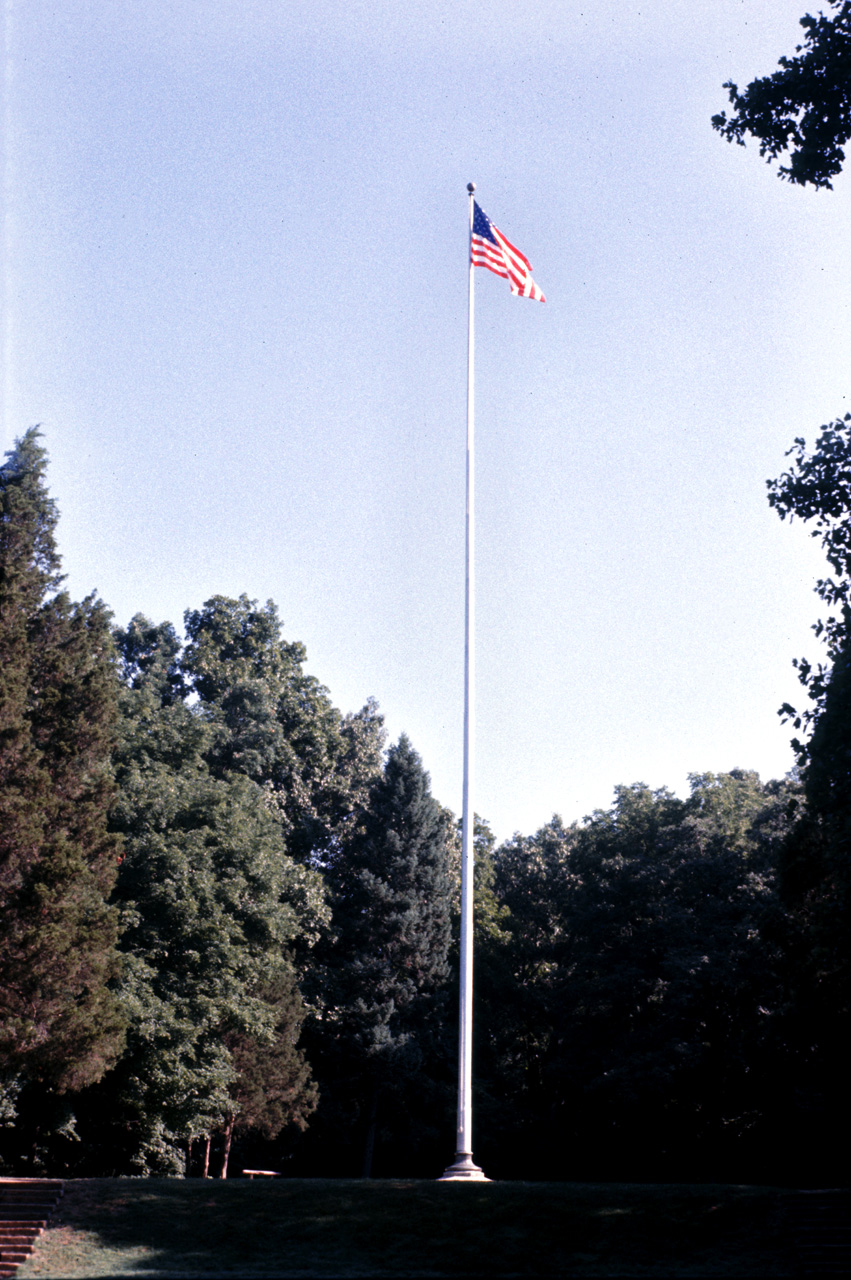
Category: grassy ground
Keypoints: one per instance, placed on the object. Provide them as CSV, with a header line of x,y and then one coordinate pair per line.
x,y
292,1228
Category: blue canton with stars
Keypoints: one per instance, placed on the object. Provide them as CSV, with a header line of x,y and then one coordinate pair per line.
x,y
482,224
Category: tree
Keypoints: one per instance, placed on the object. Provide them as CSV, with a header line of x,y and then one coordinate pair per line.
x,y
816,866
60,1024
632,1037
273,1087
805,107
386,964
817,489
488,914
212,905
277,725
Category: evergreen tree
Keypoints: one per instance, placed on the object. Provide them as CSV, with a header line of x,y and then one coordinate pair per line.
x,y
378,1040
60,1025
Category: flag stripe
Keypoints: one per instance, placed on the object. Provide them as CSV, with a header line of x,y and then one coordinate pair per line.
x,y
489,248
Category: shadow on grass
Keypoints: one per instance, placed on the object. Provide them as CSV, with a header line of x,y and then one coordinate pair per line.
x,y
292,1228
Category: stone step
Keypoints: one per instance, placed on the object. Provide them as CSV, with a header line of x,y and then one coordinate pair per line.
x,y
24,1195
838,1238
29,1189
31,1182
27,1210
30,1197
53,1184
818,1227
29,1193
25,1206
18,1202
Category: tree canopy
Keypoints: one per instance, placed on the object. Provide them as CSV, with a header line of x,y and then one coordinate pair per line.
x,y
228,913
277,725
642,989
59,1020
213,904
817,490
804,109
385,963
815,869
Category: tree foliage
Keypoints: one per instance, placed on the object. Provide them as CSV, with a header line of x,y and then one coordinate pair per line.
x,y
212,905
277,725
816,863
660,990
59,1021
385,965
642,983
817,489
805,107
390,896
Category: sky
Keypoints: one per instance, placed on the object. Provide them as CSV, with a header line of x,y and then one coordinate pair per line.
x,y
235,245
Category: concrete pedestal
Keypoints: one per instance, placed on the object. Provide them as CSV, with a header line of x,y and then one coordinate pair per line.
x,y
463,1170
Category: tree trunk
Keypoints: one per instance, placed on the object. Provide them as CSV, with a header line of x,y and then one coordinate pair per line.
x,y
206,1172
372,1125
228,1136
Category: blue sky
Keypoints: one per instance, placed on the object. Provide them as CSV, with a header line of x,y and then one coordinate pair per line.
x,y
235,300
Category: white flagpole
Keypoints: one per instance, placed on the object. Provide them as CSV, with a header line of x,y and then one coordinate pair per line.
x,y
463,1168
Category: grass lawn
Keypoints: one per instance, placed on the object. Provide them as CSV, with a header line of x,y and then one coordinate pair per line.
x,y
317,1227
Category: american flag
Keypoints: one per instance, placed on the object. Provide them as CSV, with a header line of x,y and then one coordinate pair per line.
x,y
489,248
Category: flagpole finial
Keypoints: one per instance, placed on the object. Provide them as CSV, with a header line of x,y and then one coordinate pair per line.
x,y
471,186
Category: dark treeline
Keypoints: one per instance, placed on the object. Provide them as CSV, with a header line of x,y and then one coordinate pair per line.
x,y
228,916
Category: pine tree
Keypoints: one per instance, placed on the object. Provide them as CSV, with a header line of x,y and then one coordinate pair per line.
x,y
387,966
60,1024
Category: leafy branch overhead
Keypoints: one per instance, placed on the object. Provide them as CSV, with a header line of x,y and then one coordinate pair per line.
x,y
817,489
804,109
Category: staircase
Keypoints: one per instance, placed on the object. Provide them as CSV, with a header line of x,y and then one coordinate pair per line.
x,y
818,1227
25,1206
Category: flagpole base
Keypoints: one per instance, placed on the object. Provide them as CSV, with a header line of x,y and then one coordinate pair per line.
x,y
463,1170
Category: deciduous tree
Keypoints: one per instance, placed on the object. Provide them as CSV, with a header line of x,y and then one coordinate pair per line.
x,y
644,987
804,109
816,866
213,904
277,725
